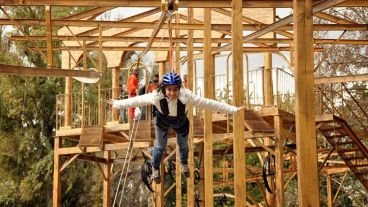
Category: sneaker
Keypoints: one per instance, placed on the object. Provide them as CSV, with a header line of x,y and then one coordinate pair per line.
x,y
185,170
156,175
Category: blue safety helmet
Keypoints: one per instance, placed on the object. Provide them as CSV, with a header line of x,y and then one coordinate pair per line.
x,y
171,79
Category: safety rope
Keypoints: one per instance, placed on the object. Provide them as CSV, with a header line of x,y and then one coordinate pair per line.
x,y
134,131
128,154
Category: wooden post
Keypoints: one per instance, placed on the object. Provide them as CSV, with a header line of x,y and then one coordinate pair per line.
x,y
107,181
56,188
160,189
68,99
268,83
177,45
238,93
48,35
208,93
268,101
279,161
201,186
329,191
308,185
115,91
247,85
190,180
100,69
161,69
178,178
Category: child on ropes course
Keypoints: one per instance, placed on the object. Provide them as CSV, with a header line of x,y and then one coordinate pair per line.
x,y
170,103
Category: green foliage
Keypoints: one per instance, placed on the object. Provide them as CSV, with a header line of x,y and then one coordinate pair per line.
x,y
27,125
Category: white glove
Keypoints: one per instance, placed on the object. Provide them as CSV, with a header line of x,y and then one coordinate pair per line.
x,y
137,113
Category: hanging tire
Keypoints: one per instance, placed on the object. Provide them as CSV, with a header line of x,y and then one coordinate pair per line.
x,y
146,174
269,171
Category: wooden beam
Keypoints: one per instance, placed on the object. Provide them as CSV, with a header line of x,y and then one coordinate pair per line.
x,y
134,48
238,100
107,147
157,3
28,71
160,188
89,13
106,168
308,185
281,25
178,178
268,83
332,18
183,40
208,93
49,36
56,187
190,72
340,79
329,191
68,162
279,159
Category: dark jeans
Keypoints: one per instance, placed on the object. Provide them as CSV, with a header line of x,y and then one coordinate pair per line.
x,y
161,142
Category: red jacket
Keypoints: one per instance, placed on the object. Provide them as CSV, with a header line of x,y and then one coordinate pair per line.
x,y
132,84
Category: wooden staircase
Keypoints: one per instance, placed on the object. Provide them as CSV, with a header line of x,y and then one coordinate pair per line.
x,y
348,146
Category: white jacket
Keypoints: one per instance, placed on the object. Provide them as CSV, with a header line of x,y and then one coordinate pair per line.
x,y
185,96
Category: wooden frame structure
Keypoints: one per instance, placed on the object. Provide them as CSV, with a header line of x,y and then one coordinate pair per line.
x,y
213,40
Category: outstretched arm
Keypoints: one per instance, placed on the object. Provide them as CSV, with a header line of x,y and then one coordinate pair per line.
x,y
137,101
213,105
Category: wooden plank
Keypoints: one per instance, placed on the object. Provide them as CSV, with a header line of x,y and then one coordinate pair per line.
x,y
279,160
268,83
68,162
209,93
68,102
160,189
178,178
341,79
190,62
29,71
281,26
91,136
308,185
329,191
181,39
137,48
157,3
107,147
238,129
56,187
49,36
177,45
106,168
89,13
332,18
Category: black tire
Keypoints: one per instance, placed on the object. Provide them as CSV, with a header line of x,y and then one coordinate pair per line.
x,y
268,166
146,173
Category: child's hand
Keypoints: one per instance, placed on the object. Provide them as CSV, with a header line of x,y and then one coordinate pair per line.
x,y
241,108
110,101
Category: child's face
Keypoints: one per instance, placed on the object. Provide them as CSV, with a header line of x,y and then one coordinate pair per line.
x,y
172,91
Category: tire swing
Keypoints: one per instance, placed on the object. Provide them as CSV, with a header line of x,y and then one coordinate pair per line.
x,y
146,173
268,173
